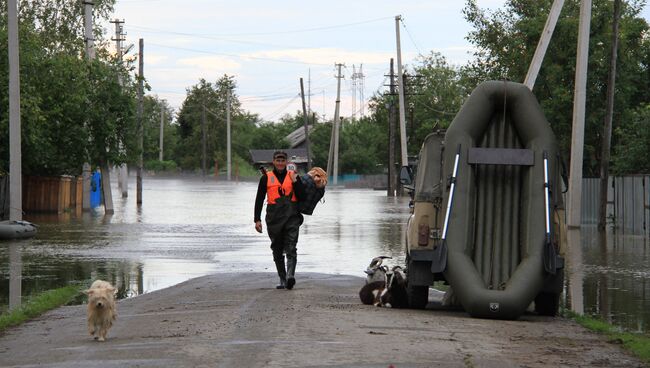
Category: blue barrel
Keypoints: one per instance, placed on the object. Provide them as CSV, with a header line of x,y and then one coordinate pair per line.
x,y
96,189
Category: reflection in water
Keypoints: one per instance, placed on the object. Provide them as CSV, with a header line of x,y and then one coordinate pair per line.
x,y
616,278
575,272
188,228
15,276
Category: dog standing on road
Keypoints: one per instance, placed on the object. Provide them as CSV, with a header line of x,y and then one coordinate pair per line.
x,y
102,310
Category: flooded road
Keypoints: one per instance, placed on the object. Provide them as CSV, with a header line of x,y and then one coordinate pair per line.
x,y
188,228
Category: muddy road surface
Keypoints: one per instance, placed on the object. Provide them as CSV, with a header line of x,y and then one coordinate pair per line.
x,y
241,320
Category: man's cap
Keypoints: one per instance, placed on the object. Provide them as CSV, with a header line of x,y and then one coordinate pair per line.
x,y
278,154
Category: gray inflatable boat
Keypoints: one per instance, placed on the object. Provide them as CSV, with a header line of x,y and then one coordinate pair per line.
x,y
494,234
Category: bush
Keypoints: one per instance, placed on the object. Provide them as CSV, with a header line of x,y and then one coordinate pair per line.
x,y
161,166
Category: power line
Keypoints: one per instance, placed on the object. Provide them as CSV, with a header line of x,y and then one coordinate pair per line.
x,y
411,37
281,109
208,37
233,55
315,29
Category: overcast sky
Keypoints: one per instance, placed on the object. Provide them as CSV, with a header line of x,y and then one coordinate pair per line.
x,y
269,45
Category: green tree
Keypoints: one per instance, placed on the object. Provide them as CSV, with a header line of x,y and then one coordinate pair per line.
x,y
72,110
506,40
631,156
154,107
434,93
212,97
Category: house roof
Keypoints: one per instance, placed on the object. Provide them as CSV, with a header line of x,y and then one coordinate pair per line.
x,y
298,136
296,155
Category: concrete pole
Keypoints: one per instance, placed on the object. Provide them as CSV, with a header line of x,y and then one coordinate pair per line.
x,y
162,129
305,123
140,122
391,134
123,170
15,152
203,144
402,112
542,46
577,134
335,168
90,54
228,137
330,152
609,114
88,29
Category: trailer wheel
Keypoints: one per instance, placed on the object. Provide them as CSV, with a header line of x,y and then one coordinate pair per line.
x,y
547,304
418,295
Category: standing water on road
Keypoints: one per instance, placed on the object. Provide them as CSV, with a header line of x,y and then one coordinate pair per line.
x,y
188,228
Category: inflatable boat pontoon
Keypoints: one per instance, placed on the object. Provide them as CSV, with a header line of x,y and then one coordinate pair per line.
x,y
486,216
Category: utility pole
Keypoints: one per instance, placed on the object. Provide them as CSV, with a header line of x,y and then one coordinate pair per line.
x,y
391,134
402,113
228,139
544,41
162,129
123,171
140,120
354,91
106,174
306,123
309,90
578,130
88,29
357,84
362,99
335,129
90,54
15,151
203,142
609,113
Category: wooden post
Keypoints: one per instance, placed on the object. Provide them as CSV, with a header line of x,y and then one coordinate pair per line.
x,y
609,114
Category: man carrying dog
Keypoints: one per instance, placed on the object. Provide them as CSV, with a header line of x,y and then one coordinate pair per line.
x,y
283,219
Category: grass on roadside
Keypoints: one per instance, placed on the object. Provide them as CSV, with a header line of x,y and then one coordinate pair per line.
x,y
638,344
39,304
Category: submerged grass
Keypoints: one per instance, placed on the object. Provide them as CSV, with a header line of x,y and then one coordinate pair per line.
x,y
638,344
39,304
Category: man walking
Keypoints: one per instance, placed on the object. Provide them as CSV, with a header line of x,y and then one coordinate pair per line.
x,y
283,219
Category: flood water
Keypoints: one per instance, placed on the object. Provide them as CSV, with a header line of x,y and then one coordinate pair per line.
x,y
188,228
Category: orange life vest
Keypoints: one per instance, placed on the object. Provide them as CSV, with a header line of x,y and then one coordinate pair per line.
x,y
274,188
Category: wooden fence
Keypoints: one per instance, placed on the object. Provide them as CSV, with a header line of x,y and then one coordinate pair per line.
x,y
52,193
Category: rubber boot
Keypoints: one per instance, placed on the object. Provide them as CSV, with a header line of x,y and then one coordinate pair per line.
x,y
291,269
282,273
